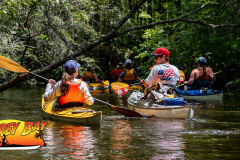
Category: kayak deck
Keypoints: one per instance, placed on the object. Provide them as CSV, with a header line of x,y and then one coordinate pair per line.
x,y
83,115
96,86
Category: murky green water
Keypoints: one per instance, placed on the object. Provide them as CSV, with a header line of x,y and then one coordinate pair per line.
x,y
213,133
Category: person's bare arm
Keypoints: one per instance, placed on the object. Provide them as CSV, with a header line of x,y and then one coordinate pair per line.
x,y
83,76
146,87
191,79
212,75
119,80
96,79
139,80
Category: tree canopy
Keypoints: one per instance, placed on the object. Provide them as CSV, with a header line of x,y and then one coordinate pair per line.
x,y
42,35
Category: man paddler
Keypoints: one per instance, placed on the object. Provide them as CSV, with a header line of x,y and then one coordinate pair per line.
x,y
162,72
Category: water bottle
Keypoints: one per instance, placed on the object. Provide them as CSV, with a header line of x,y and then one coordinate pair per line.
x,y
201,90
185,87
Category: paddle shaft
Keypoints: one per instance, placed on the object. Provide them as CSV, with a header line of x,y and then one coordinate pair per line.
x,y
140,74
135,84
39,76
124,111
103,102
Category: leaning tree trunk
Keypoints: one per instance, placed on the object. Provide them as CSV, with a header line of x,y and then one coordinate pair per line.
x,y
110,35
113,34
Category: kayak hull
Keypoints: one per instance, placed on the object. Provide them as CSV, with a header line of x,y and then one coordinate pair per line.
x,y
212,97
20,147
81,115
163,111
181,112
201,95
98,86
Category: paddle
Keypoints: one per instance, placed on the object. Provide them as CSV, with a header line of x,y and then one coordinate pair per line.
x,y
124,111
142,73
229,68
120,88
134,84
10,65
181,77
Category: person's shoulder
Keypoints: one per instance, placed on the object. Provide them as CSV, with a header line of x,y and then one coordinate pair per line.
x,y
194,70
58,83
123,73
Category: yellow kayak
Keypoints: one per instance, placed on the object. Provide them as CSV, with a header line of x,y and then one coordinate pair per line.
x,y
98,86
82,115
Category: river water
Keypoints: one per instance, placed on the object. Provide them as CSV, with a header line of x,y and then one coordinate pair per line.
x,y
213,133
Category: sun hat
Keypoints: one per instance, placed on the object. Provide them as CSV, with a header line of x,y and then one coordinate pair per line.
x,y
128,61
71,66
161,51
89,68
202,61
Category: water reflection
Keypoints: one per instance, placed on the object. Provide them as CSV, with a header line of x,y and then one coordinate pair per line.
x,y
213,133
69,140
167,140
120,138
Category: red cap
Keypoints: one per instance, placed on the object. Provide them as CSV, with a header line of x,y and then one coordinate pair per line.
x,y
161,51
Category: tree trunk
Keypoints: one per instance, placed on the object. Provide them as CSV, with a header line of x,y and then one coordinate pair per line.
x,y
110,35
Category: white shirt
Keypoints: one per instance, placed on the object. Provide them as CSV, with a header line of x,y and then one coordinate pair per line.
x,y
54,91
166,74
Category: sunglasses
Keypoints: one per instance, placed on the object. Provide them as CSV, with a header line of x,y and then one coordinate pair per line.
x,y
157,57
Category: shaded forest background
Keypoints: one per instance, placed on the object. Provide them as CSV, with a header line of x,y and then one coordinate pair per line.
x,y
42,35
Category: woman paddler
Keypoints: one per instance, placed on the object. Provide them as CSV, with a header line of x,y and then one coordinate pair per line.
x,y
202,76
70,91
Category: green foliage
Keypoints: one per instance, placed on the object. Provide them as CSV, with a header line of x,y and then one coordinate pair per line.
x,y
37,33
234,85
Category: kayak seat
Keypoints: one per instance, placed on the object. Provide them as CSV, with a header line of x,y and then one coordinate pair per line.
x,y
70,105
197,85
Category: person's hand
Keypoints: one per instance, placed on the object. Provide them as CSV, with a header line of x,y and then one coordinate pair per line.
x,y
88,100
52,82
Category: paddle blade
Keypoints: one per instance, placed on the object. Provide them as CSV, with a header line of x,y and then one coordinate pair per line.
x,y
181,77
120,88
106,82
127,112
10,65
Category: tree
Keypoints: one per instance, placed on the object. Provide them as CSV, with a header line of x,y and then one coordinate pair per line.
x,y
203,13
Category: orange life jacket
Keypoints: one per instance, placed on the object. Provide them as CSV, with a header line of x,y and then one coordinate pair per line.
x,y
73,96
129,75
201,77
